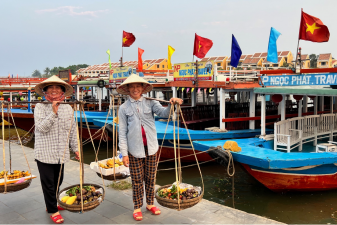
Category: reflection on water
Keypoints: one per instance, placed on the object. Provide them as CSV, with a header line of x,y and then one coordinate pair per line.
x,y
250,195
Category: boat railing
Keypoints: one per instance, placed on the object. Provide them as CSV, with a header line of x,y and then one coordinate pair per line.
x,y
294,132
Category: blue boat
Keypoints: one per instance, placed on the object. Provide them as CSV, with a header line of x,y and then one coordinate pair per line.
x,y
185,147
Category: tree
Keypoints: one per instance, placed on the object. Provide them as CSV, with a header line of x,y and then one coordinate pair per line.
x,y
285,64
46,72
313,60
37,74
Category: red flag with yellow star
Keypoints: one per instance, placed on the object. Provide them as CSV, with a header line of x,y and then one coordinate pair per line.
x,y
128,39
201,46
313,29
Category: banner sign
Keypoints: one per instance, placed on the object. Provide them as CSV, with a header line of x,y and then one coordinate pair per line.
x,y
119,74
186,71
300,80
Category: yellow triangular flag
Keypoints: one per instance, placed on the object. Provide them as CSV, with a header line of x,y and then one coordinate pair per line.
x,y
192,90
183,89
108,52
210,89
170,52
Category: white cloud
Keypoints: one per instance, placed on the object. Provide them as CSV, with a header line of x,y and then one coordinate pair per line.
x,y
70,10
144,25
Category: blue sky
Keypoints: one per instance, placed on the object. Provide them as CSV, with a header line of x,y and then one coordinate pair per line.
x,y
40,34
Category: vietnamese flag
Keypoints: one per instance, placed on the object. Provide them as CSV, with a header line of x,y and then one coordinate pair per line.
x,y
140,61
313,29
201,46
128,39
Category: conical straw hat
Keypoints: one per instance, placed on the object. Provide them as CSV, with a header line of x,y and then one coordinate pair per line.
x,y
133,78
54,80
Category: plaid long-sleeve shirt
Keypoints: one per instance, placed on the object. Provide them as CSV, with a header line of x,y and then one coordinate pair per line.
x,y
51,133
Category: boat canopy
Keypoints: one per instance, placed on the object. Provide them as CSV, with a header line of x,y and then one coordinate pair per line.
x,y
90,82
317,90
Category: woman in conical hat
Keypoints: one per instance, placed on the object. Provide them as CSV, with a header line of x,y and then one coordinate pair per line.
x,y
53,123
138,139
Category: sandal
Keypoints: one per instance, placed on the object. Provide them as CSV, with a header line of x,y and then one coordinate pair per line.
x,y
138,214
56,218
154,209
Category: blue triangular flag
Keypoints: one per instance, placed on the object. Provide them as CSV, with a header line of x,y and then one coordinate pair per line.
x,y
272,48
235,53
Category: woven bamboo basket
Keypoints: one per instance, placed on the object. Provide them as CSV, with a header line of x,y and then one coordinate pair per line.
x,y
173,204
119,176
15,187
78,208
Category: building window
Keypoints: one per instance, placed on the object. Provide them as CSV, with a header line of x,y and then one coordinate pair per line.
x,y
323,63
157,66
163,66
219,64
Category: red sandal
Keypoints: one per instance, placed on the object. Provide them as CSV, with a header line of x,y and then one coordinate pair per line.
x,y
138,214
154,209
56,218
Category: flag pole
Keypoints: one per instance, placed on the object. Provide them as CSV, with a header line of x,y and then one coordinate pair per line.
x,y
298,41
122,50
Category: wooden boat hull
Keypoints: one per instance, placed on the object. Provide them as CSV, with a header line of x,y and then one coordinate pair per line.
x,y
168,153
307,178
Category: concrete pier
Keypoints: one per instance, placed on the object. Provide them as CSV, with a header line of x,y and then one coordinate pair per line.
x,y
27,206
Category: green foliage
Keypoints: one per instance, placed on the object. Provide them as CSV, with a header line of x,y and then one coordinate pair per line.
x,y
120,185
37,74
285,64
239,68
55,70
313,60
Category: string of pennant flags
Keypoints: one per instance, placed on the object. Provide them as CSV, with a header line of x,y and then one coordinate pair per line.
x,y
311,29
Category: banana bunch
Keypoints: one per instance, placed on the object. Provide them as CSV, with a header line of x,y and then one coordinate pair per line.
x,y
111,163
15,175
2,174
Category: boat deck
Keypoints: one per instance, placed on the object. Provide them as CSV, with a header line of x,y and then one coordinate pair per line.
x,y
195,134
258,152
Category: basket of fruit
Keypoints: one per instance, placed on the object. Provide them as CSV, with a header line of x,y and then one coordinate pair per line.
x,y
110,169
15,181
70,198
189,196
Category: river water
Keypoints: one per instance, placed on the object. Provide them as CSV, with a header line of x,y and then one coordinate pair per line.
x,y
249,195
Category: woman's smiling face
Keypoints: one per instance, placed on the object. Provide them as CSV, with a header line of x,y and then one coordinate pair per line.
x,y
136,90
54,90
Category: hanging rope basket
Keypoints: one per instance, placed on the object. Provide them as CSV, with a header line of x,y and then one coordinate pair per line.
x,y
78,208
173,204
15,187
180,202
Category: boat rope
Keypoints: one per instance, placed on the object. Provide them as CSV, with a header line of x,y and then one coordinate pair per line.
x,y
9,139
3,146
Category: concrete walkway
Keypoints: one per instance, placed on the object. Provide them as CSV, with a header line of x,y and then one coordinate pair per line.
x,y
27,206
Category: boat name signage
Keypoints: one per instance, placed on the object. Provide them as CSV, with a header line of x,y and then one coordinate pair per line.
x,y
119,74
299,80
186,71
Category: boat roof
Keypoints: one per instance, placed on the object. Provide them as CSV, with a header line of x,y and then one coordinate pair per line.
x,y
312,90
258,152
